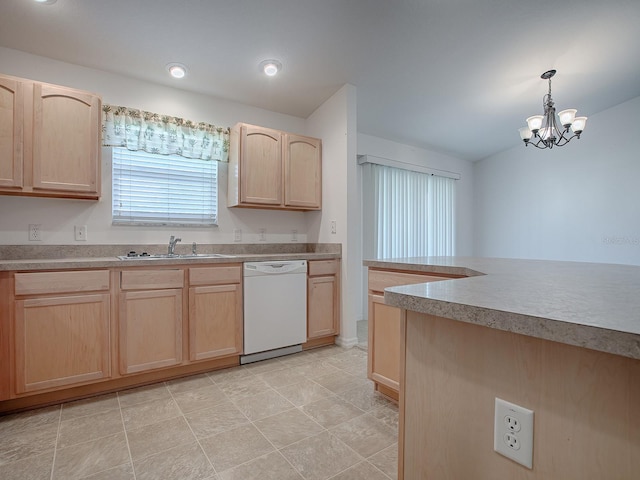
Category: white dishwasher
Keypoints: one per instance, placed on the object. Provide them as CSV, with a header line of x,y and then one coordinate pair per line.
x,y
275,309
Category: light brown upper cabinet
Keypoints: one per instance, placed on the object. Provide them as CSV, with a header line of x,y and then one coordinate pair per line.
x,y
49,140
273,169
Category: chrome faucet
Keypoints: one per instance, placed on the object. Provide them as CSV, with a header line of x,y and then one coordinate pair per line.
x,y
172,244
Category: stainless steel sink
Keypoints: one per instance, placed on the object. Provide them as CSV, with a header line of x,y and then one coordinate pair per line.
x,y
160,256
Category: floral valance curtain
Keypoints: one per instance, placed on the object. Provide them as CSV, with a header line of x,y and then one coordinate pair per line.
x,y
162,134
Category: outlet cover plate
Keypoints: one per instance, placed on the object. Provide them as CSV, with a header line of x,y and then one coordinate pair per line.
x,y
513,432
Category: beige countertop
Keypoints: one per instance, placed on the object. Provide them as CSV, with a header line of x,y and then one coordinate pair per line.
x,y
58,257
111,262
588,305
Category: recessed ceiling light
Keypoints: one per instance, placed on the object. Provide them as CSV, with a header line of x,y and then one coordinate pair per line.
x,y
270,67
177,70
46,2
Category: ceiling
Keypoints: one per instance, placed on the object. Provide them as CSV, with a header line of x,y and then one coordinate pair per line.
x,y
455,76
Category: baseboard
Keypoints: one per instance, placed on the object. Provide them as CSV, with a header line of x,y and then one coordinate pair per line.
x,y
346,342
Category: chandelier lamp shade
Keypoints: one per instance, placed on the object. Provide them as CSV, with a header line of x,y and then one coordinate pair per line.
x,y
542,131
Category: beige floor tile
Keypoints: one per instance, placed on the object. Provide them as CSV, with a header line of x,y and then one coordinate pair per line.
x,y
89,406
263,405
361,471
320,457
316,369
331,411
272,466
214,420
31,468
296,359
82,460
365,434
323,352
186,462
388,414
32,419
304,392
89,427
347,359
121,472
265,366
151,439
341,381
234,447
186,384
34,441
281,378
248,386
148,393
288,427
227,375
191,400
148,413
364,397
357,369
387,461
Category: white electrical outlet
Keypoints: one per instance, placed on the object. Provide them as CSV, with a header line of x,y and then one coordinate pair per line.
x,y
294,235
262,235
237,235
80,232
513,432
333,227
35,234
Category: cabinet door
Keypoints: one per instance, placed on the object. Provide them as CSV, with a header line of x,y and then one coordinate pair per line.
x,y
66,141
384,343
11,132
150,330
303,172
260,166
322,307
215,321
61,341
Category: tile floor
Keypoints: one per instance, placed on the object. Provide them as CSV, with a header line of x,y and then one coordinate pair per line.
x,y
308,416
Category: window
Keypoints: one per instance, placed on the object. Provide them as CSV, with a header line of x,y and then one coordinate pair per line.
x,y
152,189
413,213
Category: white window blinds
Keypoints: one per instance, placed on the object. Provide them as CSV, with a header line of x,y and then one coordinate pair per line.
x,y
414,213
151,189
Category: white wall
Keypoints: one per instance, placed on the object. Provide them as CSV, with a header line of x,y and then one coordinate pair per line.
x,y
58,216
335,123
580,202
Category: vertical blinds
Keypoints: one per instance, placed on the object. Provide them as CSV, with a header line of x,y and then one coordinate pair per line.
x,y
152,189
414,213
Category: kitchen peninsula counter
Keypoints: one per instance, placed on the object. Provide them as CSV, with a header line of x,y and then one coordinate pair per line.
x,y
559,338
589,305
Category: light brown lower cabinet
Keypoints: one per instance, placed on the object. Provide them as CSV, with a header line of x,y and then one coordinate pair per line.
x,y
384,322
61,339
215,312
150,334
323,301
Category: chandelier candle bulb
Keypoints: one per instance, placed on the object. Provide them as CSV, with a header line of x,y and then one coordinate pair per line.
x,y
567,117
535,122
578,124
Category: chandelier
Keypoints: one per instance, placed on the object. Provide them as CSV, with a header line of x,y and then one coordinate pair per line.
x,y
542,130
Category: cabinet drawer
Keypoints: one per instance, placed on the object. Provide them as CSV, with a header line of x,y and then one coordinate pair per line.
x,y
61,282
379,280
215,275
323,267
139,279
